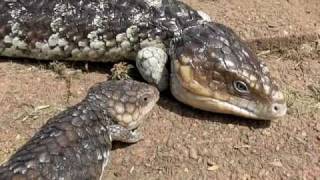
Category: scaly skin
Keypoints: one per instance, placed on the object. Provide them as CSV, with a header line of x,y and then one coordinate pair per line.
x,y
217,72
76,143
211,68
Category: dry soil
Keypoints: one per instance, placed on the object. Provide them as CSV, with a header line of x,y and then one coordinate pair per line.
x,y
182,142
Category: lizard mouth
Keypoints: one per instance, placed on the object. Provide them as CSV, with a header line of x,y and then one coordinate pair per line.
x,y
135,129
206,103
212,104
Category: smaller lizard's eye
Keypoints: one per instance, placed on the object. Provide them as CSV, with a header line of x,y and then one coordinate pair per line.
x,y
145,99
240,86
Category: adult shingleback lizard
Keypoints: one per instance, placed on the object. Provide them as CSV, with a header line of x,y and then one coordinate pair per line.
x,y
76,143
211,68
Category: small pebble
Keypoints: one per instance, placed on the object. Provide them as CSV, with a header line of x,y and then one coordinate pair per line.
x,y
246,177
18,137
186,170
193,153
265,132
210,162
231,126
170,142
117,174
204,151
263,173
306,49
131,170
318,127
200,160
213,168
185,152
285,33
205,133
276,163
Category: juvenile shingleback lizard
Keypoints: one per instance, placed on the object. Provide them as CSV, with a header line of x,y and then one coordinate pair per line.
x,y
76,143
211,68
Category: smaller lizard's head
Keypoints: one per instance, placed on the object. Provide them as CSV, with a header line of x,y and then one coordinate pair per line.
x,y
213,70
127,102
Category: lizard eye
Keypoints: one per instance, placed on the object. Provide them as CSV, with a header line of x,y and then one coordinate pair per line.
x,y
240,86
145,99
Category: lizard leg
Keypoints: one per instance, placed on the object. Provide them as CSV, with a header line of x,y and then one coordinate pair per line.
x,y
120,133
151,63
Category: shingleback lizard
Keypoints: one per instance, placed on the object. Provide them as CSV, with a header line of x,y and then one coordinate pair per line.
x,y
211,68
76,143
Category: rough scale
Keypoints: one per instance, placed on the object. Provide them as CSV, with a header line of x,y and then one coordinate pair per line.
x,y
76,143
211,68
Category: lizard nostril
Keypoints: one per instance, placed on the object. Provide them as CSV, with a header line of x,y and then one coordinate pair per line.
x,y
279,109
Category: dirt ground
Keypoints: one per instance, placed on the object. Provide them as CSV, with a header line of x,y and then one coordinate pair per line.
x,y
257,18
182,142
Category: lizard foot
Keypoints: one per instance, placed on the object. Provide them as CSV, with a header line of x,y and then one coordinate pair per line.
x,y
151,63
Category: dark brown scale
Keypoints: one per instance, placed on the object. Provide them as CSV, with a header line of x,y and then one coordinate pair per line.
x,y
47,153
35,18
75,144
179,27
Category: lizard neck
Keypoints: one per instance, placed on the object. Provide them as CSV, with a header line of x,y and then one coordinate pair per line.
x,y
174,16
97,111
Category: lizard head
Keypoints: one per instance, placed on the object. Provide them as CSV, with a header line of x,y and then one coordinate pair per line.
x,y
212,69
127,102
